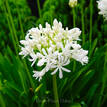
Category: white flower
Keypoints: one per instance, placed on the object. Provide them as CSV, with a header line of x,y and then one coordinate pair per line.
x,y
72,3
59,65
52,48
57,27
26,51
102,5
35,32
47,57
39,74
33,58
74,34
79,54
66,50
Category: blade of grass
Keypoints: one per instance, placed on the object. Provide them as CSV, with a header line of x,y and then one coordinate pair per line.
x,y
38,88
20,22
29,75
2,102
12,23
77,75
84,81
24,65
13,27
43,103
93,47
104,80
91,92
22,81
11,31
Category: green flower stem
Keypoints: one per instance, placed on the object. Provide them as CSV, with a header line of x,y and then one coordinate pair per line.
x,y
74,19
83,24
39,9
74,66
91,15
55,91
73,10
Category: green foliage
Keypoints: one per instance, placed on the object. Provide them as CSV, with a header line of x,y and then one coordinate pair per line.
x,y
14,16
85,86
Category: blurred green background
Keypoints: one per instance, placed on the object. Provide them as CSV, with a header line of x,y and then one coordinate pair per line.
x,y
85,86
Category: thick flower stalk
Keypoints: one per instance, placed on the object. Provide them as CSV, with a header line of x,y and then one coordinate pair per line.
x,y
72,3
52,48
102,5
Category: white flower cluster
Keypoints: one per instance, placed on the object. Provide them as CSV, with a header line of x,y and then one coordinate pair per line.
x,y
72,3
102,5
52,48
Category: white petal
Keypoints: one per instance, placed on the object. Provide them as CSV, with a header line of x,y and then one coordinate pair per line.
x,y
53,66
39,74
44,52
64,69
39,55
76,46
68,61
41,62
49,50
40,79
33,63
59,58
60,73
54,71
55,22
23,42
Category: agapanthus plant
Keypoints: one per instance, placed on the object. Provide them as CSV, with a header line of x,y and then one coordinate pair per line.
x,y
102,5
53,48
